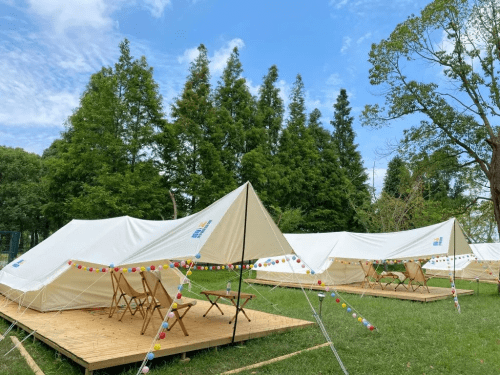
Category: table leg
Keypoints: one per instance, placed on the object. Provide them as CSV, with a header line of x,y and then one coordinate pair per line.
x,y
212,304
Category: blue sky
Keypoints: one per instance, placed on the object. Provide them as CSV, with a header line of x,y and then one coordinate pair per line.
x,y
49,49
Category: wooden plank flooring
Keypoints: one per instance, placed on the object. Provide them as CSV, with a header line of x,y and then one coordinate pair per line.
x,y
95,341
420,295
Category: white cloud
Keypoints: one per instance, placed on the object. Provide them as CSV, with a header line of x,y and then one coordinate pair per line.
x,y
66,14
156,7
334,80
188,56
363,38
219,59
346,43
338,3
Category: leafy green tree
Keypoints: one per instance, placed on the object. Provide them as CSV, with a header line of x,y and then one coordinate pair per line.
x,y
327,212
197,168
22,193
102,166
350,160
459,103
396,177
262,139
297,157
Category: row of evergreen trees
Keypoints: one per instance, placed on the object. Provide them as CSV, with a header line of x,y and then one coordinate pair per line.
x,y
119,155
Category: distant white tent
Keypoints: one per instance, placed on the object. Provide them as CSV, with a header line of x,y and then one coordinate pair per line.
x,y
43,279
484,263
334,257
314,251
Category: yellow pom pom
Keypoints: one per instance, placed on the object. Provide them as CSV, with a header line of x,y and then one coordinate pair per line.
x,y
125,270
251,265
174,305
308,272
283,260
84,268
189,273
323,284
265,264
236,266
157,347
189,261
206,268
143,268
344,305
223,267
165,266
360,319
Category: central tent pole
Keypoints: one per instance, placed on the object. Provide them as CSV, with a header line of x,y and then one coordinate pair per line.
x,y
241,268
454,247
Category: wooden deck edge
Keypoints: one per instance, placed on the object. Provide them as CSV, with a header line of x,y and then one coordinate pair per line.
x,y
31,363
47,341
189,348
418,297
277,359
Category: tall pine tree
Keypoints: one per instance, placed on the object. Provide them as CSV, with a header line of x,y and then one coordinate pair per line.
x,y
350,161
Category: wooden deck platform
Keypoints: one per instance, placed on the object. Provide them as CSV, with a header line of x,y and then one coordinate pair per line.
x,y
401,293
95,341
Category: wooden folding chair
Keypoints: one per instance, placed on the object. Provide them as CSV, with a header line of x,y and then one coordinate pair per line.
x,y
372,278
416,276
124,289
160,299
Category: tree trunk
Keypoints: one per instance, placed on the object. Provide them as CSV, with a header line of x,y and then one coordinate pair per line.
x,y
495,181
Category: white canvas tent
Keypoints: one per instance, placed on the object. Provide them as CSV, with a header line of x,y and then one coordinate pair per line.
x,y
322,252
484,264
43,280
314,251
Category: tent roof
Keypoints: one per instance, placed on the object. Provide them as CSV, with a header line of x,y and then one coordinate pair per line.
x,y
215,232
317,249
444,238
486,251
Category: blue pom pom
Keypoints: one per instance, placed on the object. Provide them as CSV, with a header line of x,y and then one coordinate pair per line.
x,y
129,270
256,265
365,323
349,309
312,272
150,356
164,325
171,265
294,257
333,294
198,256
148,269
180,287
273,262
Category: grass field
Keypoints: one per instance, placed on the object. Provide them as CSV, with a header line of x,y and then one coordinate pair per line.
x,y
411,337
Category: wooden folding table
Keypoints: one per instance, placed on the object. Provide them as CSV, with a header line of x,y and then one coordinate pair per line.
x,y
231,296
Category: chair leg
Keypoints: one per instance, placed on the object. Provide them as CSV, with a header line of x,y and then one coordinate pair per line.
x,y
147,318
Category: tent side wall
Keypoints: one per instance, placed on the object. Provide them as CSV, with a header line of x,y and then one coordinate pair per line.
x,y
77,289
336,274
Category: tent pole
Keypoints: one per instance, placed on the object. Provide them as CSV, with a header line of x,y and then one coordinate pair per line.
x,y
241,268
454,247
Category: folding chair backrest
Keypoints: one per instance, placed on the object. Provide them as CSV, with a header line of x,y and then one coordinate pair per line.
x,y
368,269
415,271
125,286
156,289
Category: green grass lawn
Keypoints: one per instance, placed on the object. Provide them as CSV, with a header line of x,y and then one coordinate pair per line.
x,y
411,337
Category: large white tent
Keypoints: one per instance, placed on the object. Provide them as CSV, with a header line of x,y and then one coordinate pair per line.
x,y
314,251
43,279
334,257
484,263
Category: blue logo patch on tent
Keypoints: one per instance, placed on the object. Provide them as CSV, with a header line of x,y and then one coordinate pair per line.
x,y
201,229
18,263
438,241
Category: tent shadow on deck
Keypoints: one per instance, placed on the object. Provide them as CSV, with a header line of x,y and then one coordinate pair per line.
x,y
95,341
436,293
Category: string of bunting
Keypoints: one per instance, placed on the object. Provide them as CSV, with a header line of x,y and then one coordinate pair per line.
x,y
189,264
